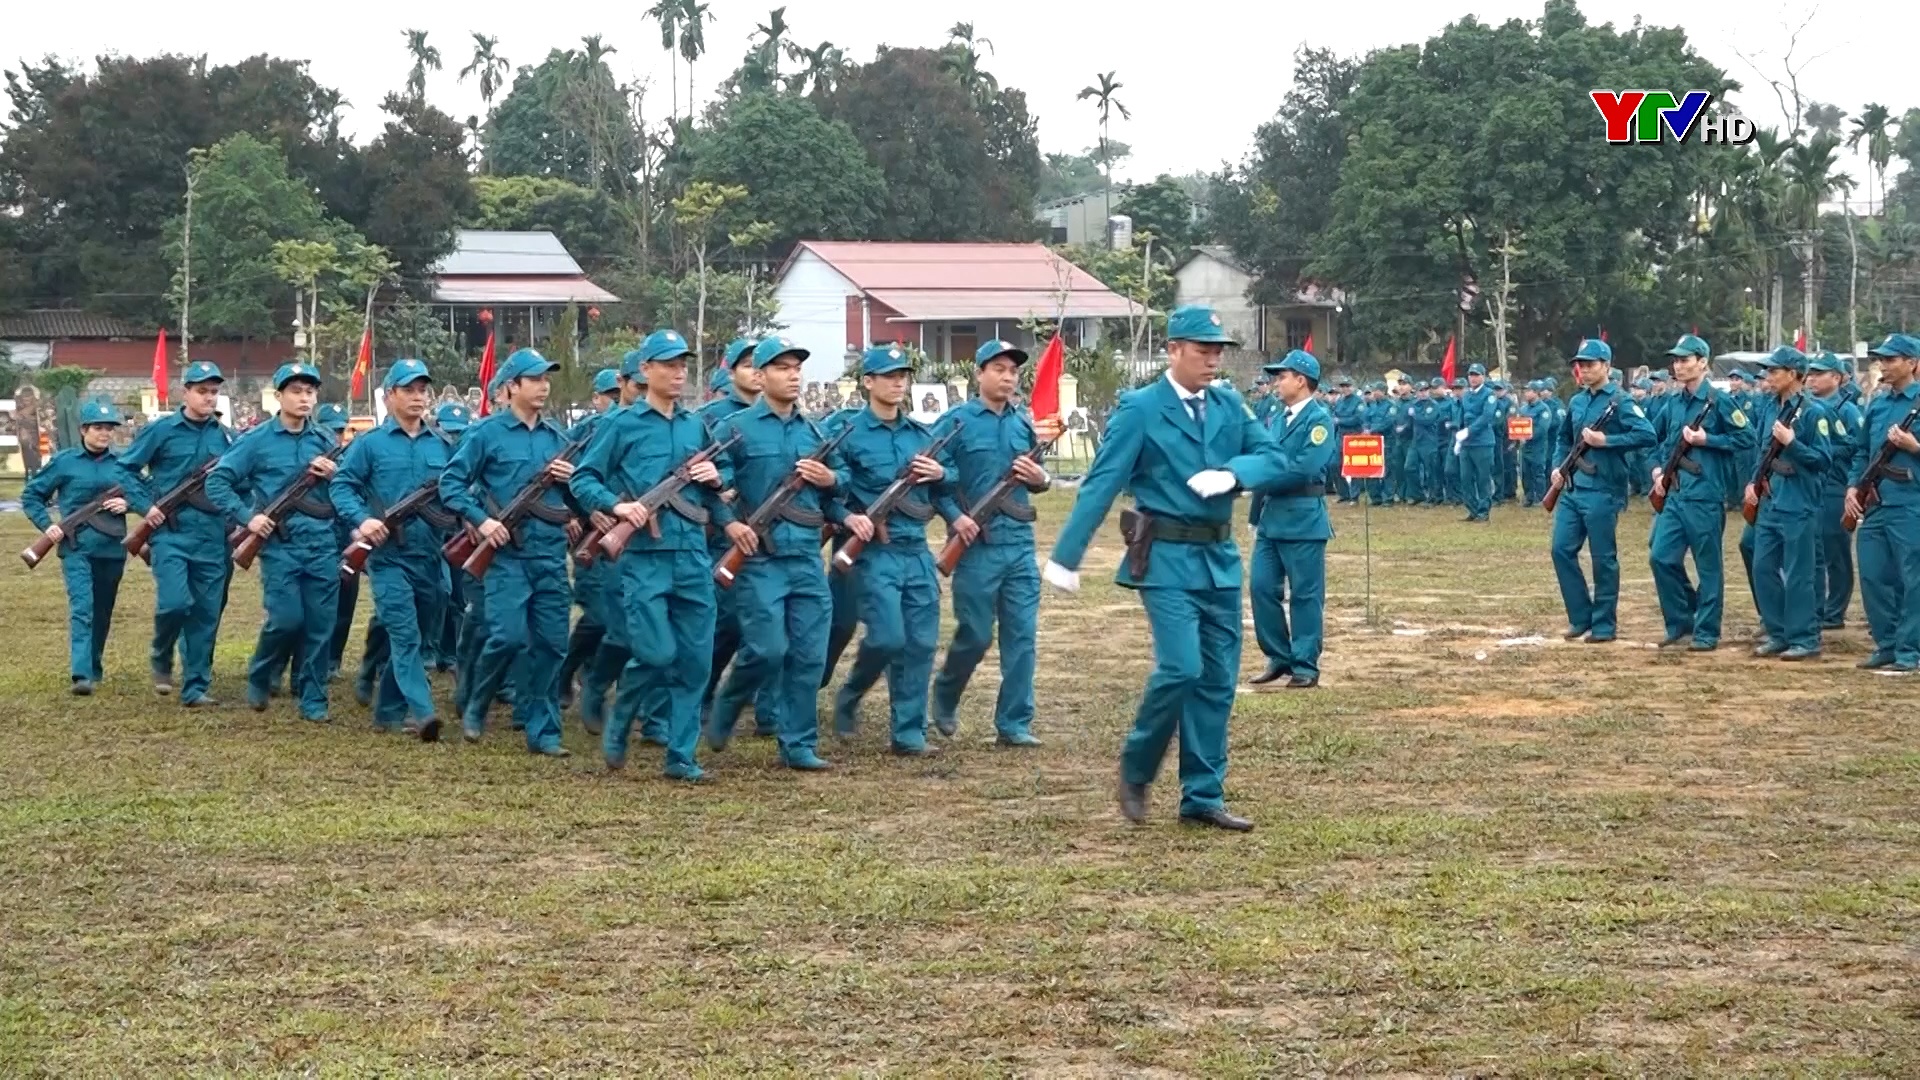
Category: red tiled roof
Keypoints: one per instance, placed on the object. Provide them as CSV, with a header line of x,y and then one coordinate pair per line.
x,y
1010,279
923,305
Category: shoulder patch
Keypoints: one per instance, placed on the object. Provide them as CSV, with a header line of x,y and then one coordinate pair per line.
x,y
1637,412
1821,424
1738,419
1318,435
1840,426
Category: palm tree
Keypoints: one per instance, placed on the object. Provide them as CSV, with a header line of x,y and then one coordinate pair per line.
x,y
667,14
1874,127
1107,104
425,58
1824,119
694,18
821,65
595,52
492,69
962,35
326,107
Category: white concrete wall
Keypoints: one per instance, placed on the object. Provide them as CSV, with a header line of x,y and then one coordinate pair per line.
x,y
813,306
1206,280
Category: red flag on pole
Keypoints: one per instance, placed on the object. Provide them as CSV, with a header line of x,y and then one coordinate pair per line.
x,y
362,365
160,367
486,374
1603,333
1046,380
1446,364
1800,339
1307,345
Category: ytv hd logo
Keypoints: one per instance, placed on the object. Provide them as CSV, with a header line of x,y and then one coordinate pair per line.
x,y
1648,116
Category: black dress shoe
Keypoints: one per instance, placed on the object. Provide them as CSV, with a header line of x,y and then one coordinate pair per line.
x,y
1303,682
1133,802
1217,819
1276,670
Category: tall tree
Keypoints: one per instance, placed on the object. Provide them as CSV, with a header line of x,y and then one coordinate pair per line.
x,y
1162,209
425,58
699,212
1874,126
417,186
762,68
668,14
1810,182
1825,119
805,175
694,18
961,58
567,120
491,67
1106,105
820,69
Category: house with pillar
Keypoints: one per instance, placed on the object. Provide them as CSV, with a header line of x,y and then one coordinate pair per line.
x,y
526,279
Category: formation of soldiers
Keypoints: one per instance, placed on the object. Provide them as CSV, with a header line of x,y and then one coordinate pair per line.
x,y
695,537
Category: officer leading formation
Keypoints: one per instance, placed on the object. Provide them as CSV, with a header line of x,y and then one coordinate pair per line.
x,y
722,558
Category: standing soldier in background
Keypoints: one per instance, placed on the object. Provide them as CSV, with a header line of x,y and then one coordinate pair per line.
x,y
996,580
1349,415
527,590
1738,387
1402,471
1889,555
1833,553
1589,506
1503,444
1423,457
299,562
1538,448
1693,517
1291,530
91,558
589,581
1473,445
1640,465
189,549
1783,539
382,467
743,384
1377,419
1452,425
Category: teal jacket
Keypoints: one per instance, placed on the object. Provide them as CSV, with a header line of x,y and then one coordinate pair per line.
x,y
1628,430
1846,437
497,458
1887,409
1730,433
1426,422
1151,449
875,452
1476,417
75,478
637,449
381,467
1796,493
166,452
982,453
1349,413
762,460
262,464
1292,504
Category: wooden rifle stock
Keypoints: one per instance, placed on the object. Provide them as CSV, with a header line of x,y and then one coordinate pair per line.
x,y
1002,489
476,555
762,518
245,544
139,538
41,547
620,534
882,507
1658,496
1563,476
354,560
1868,493
1762,483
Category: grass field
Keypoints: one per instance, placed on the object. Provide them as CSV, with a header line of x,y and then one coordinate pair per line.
x,y
1471,859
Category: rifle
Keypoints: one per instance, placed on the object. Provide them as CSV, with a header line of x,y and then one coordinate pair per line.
x,y
893,498
69,528
775,508
666,493
469,552
354,559
246,545
1658,497
139,537
1762,483
1867,492
995,501
1576,454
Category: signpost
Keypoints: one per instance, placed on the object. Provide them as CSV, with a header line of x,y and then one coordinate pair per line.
x,y
1364,457
1519,428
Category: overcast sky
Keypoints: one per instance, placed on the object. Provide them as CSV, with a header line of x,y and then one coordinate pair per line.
x,y
1197,83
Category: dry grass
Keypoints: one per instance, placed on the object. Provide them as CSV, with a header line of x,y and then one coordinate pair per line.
x,y
1471,859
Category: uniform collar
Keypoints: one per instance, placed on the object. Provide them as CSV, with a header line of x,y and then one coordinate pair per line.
x,y
761,408
1182,393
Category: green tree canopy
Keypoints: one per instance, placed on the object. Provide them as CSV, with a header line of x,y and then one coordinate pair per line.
x,y
1162,208
585,220
566,118
416,185
807,176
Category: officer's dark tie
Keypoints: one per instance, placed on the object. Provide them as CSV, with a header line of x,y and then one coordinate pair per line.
x,y
1197,408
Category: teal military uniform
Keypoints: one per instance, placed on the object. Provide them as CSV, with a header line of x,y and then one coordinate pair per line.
x,y
1505,455
452,419
844,589
783,604
1779,546
1349,416
1423,457
1589,508
997,579
612,669
1291,530
1833,556
190,568
590,580
91,558
1402,475
1155,443
334,418
1693,518
299,564
899,592
1452,422
381,467
1639,468
1748,402
527,601
1477,418
1534,466
1889,553
726,614
1376,418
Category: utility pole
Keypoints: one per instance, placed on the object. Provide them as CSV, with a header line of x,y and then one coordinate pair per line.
x,y
1806,279
1853,283
1503,301
186,273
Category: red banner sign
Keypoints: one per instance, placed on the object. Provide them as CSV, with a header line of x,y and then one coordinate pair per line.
x,y
1363,457
1519,428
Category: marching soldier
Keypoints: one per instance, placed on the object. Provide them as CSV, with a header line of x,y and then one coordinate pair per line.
x,y
1291,530
996,579
1889,555
1593,497
1180,448
1639,468
473,592
1739,387
743,381
451,419
382,467
333,418
783,602
1783,539
1693,517
1473,445
611,669
1833,554
526,604
844,589
189,549
299,562
666,575
590,581
91,558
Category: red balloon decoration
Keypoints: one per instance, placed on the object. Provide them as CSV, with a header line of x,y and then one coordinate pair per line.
x,y
486,315
593,313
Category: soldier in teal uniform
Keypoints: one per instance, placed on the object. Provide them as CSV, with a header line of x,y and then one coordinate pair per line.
x,y
611,669
473,621
1376,418
899,592
844,588
1889,555
667,579
742,382
1694,516
1402,476
1453,422
190,565
1503,447
527,587
91,558
1833,556
1264,403
1291,530
333,418
590,581
1423,457
1349,416
405,570
451,419
1639,465
1787,532
1539,445
1180,447
783,602
997,581
299,562
1589,507
1473,444
1739,387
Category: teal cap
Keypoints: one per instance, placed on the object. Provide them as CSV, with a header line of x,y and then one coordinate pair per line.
x,y
296,370
1459,384
1787,357
1689,345
1436,383
1499,385
404,372
1593,349
1477,369
739,349
523,364
1643,384
662,345
452,416
1298,361
1901,345
99,412
995,349
1827,361
1343,380
1198,322
884,359
773,348
201,371
1660,376
606,381
630,364
332,416
720,380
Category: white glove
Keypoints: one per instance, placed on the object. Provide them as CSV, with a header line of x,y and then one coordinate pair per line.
x,y
1212,482
1060,577
1459,440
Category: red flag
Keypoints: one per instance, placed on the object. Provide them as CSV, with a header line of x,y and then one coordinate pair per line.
x,y
1800,339
363,365
1046,380
160,366
1446,365
486,375
1603,333
1307,346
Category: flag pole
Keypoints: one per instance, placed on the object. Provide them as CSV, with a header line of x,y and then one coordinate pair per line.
x,y
367,329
